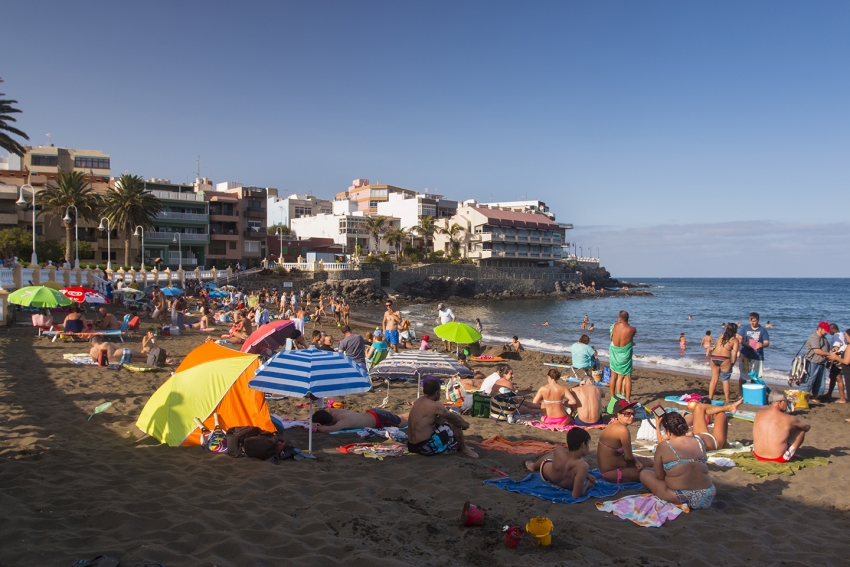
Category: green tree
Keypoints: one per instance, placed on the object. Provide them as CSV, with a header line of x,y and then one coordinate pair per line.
x,y
394,237
71,188
426,230
15,242
279,228
6,141
455,233
128,205
376,227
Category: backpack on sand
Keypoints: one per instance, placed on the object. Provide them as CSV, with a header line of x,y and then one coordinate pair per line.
x,y
797,373
156,356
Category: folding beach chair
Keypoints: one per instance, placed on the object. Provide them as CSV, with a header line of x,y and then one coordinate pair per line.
x,y
504,404
125,328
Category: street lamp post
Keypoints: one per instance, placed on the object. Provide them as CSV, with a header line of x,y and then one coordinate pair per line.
x,y
22,201
581,249
279,232
108,230
141,232
67,220
597,253
178,239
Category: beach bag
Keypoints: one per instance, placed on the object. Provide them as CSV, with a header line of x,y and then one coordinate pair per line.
x,y
102,358
134,323
797,400
253,442
455,391
606,375
797,373
480,405
156,356
612,402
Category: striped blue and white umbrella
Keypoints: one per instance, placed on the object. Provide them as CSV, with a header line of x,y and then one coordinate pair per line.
x,y
311,373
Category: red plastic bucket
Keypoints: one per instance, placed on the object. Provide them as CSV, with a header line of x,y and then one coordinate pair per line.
x,y
472,515
513,535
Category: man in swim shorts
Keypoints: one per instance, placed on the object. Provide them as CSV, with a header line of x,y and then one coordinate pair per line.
x,y
776,434
590,403
333,419
389,325
114,352
620,356
433,428
567,469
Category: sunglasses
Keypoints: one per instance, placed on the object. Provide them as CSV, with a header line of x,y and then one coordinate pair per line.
x,y
627,413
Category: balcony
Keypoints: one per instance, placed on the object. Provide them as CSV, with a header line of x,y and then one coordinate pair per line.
x,y
158,237
251,233
223,217
255,213
175,261
174,196
184,216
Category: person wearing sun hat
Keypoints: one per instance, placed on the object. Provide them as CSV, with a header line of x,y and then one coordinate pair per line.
x,y
424,344
817,355
614,456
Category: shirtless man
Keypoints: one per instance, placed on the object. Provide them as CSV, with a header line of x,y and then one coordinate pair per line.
x,y
159,305
620,356
108,322
567,469
117,353
776,434
332,419
433,428
590,408
389,325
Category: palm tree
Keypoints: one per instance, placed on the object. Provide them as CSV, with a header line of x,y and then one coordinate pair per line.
x,y
395,237
454,232
128,205
375,226
6,141
426,230
71,189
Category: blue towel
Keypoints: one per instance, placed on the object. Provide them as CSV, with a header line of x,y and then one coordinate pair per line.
x,y
533,485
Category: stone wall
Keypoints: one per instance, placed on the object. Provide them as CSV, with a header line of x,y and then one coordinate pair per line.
x,y
469,281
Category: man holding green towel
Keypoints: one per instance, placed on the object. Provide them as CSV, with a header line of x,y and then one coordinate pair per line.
x,y
620,356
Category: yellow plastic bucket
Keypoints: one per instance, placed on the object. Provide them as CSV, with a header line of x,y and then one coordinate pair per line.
x,y
541,529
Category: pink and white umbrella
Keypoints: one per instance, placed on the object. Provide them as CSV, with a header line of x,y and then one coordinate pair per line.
x,y
80,294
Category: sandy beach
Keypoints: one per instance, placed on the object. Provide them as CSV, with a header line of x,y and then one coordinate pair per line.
x,y
73,488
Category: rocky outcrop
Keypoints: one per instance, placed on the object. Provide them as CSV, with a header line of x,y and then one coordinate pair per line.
x,y
355,291
441,287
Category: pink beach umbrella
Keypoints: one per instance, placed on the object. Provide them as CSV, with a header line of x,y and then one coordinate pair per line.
x,y
80,294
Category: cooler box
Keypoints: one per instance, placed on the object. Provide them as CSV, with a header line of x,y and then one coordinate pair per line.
x,y
755,394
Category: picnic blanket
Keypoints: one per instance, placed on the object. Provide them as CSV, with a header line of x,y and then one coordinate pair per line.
x,y
79,358
762,468
283,423
533,485
550,427
645,510
524,447
374,450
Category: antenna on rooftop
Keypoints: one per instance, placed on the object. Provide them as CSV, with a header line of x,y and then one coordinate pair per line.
x,y
49,140
199,167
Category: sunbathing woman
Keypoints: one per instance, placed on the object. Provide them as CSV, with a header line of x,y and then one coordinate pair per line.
x,y
240,330
703,414
552,397
207,321
679,474
501,382
723,359
614,449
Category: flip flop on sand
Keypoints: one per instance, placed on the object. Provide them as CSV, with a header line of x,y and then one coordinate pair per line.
x,y
99,561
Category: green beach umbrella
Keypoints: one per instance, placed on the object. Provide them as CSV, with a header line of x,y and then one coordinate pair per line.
x,y
38,296
457,333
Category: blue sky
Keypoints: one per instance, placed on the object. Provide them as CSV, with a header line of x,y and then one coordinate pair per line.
x,y
682,139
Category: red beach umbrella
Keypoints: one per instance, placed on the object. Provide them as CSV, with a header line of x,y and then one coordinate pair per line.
x,y
269,336
81,294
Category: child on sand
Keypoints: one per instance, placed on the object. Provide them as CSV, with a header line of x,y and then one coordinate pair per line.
x,y
424,344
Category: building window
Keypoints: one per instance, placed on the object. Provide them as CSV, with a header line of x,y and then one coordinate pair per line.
x,y
299,212
232,245
427,210
251,246
91,163
373,204
218,247
44,161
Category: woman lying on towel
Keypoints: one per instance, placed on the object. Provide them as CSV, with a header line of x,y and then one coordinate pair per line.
x,y
703,416
614,449
680,473
553,397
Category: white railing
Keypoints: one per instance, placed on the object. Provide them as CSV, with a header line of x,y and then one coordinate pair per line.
x,y
173,195
7,277
26,276
336,266
574,258
170,236
206,274
183,216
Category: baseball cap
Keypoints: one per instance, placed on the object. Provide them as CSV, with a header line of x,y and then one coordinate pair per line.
x,y
425,338
623,405
825,326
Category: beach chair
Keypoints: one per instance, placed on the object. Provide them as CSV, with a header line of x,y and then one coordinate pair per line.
x,y
504,404
378,357
125,328
42,322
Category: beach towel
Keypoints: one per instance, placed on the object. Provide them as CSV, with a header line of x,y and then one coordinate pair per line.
x,y
373,450
552,427
762,468
391,433
645,510
282,423
533,485
81,358
524,447
620,358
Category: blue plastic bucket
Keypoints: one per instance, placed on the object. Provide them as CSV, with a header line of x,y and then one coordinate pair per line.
x,y
755,394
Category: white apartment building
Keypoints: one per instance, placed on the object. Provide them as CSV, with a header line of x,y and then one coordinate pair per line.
x,y
347,229
410,208
295,206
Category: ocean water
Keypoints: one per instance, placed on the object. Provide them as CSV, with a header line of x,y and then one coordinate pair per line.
x,y
793,306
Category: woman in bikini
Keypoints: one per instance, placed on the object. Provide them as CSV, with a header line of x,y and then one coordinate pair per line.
x,y
704,414
614,449
552,397
723,359
679,474
207,321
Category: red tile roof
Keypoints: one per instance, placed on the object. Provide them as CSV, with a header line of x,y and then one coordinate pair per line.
x,y
498,217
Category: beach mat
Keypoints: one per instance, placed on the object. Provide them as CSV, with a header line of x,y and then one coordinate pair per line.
x,y
550,427
749,463
533,485
523,447
645,510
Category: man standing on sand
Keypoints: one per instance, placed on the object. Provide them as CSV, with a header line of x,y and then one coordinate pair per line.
x,y
159,305
754,339
817,355
590,403
445,315
776,434
620,356
389,325
353,346
432,428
